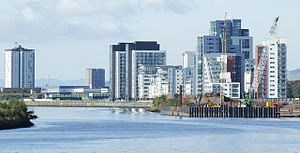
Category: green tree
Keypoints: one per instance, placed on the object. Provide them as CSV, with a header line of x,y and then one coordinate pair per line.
x,y
14,114
293,89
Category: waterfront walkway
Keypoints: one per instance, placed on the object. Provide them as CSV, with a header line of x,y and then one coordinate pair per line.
x,y
90,104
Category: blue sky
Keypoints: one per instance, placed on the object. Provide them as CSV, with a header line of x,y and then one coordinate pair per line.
x,y
72,35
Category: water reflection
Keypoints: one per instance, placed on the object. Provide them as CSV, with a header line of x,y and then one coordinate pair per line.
x,y
81,130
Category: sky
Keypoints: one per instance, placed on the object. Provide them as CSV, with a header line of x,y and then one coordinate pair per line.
x,y
72,35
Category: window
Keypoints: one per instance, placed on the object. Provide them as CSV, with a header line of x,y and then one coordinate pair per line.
x,y
235,90
245,43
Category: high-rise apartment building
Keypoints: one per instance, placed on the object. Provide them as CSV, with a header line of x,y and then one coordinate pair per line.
x,y
272,80
125,61
189,59
95,78
176,79
238,51
19,67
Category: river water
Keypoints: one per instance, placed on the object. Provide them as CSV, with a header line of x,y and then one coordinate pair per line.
x,y
97,130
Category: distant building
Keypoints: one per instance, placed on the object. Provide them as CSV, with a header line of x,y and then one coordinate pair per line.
x,y
189,80
189,59
95,78
125,61
160,84
20,90
176,79
212,71
74,92
155,81
273,80
19,67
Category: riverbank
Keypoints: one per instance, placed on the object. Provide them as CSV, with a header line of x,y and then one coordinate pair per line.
x,y
14,114
13,123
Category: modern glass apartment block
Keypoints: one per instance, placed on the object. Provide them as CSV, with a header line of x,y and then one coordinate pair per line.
x,y
19,67
176,79
125,60
213,74
238,48
188,80
273,82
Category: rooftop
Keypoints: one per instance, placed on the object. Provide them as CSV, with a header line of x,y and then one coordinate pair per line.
x,y
19,48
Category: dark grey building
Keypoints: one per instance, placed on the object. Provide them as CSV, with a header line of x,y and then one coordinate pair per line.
x,y
95,78
125,60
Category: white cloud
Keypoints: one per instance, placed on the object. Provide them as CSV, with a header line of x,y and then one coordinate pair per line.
x,y
30,15
4,17
173,6
151,2
74,7
108,26
79,19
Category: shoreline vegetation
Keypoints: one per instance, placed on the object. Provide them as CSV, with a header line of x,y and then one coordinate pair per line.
x,y
14,114
161,101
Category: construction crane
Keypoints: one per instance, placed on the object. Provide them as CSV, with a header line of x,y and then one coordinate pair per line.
x,y
223,63
264,58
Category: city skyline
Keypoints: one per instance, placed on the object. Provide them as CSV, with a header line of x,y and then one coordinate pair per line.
x,y
185,21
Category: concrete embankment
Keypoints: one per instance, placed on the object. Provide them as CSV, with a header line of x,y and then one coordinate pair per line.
x,y
90,104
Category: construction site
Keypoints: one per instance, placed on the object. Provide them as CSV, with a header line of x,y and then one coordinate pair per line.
x,y
266,97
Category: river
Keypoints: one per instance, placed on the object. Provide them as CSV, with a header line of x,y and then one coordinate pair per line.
x,y
100,130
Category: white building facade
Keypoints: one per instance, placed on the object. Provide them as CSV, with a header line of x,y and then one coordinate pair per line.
x,y
155,81
19,68
189,59
217,78
273,82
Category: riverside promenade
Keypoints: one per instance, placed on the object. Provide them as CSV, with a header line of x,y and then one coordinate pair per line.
x,y
71,103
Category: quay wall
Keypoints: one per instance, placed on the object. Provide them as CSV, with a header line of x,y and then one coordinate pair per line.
x,y
227,112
